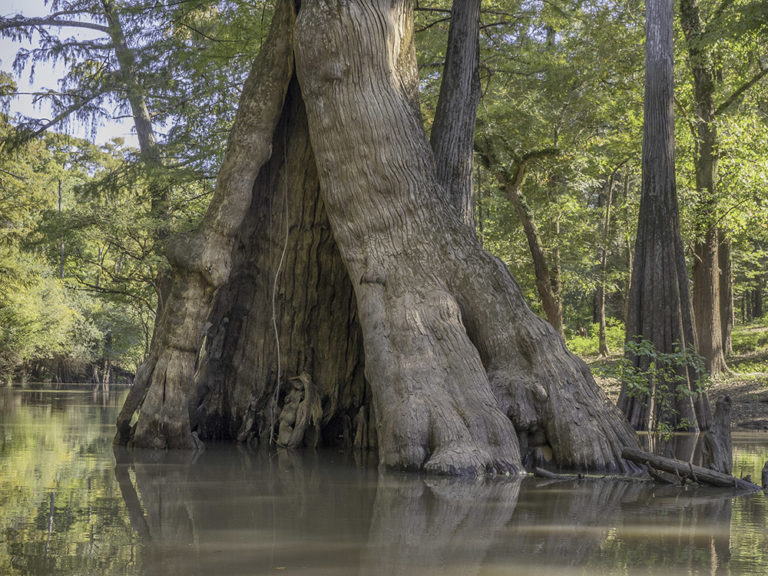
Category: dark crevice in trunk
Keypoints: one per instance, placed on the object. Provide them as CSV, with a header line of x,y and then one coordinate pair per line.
x,y
314,307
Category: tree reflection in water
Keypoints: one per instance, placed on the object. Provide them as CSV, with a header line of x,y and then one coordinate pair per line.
x,y
230,511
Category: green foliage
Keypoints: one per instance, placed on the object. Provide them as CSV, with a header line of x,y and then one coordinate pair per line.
x,y
750,348
51,322
586,344
663,377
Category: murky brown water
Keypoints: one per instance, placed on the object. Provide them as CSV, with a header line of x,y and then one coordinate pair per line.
x,y
70,504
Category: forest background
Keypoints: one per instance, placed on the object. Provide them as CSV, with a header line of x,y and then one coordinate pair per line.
x,y
557,171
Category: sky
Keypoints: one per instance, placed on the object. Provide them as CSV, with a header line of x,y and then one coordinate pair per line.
x,y
47,76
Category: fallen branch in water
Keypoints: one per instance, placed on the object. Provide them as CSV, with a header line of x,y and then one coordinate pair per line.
x,y
686,470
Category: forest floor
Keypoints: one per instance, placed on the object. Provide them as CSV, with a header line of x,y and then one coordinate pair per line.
x,y
747,385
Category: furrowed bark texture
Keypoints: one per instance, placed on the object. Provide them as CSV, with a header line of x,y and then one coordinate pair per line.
x,y
660,307
453,132
201,259
314,309
453,354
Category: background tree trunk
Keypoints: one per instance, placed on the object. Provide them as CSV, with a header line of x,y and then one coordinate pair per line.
x,y
547,277
706,302
706,270
726,292
453,131
603,287
660,306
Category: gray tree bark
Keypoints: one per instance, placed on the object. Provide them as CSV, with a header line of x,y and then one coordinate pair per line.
x,y
201,260
444,324
463,377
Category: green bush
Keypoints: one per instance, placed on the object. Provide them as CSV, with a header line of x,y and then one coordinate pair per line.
x,y
588,346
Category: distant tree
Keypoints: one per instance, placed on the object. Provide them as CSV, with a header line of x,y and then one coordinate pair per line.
x,y
660,312
714,94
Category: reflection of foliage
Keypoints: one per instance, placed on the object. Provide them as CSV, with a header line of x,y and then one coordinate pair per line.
x,y
51,447
55,518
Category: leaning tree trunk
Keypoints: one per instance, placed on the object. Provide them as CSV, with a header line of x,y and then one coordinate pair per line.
x,y
462,374
660,307
201,260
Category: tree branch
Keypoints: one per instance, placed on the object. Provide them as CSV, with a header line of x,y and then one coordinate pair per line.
x,y
21,22
740,90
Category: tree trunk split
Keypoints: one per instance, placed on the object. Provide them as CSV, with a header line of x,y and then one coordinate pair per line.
x,y
460,376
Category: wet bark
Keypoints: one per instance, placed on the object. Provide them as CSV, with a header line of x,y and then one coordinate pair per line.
x,y
660,308
688,471
453,131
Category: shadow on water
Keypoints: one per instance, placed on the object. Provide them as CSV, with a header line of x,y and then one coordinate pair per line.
x,y
71,503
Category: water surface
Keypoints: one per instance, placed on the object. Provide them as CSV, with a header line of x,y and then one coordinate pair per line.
x,y
71,504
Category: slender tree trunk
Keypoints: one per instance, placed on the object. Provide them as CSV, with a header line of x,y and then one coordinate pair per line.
x,y
706,302
453,131
726,292
630,256
602,339
706,271
547,278
546,282
660,306
148,147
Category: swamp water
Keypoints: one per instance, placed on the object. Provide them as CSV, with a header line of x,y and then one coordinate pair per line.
x,y
71,504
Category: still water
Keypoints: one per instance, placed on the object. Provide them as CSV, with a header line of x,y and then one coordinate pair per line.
x,y
70,504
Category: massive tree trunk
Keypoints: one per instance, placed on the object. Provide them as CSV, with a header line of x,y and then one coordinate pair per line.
x,y
463,377
660,307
